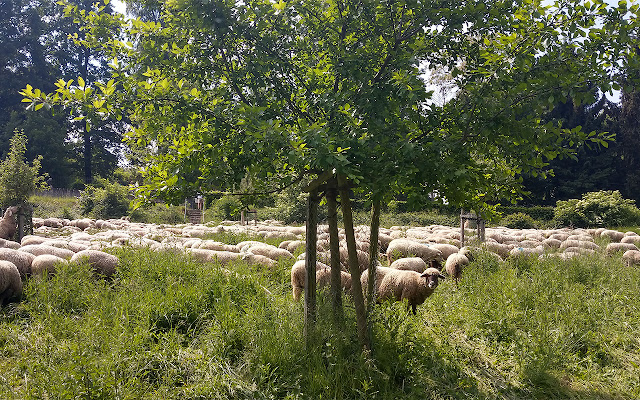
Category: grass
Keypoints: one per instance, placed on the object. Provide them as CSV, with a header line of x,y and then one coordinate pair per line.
x,y
166,327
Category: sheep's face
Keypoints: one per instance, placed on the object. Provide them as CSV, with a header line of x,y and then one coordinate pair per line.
x,y
432,276
10,211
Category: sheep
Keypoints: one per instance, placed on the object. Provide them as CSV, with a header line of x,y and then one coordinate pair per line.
x,y
258,259
103,263
323,279
222,257
615,247
399,285
20,259
416,264
8,224
455,264
46,264
9,244
266,250
10,282
298,276
39,249
631,257
399,248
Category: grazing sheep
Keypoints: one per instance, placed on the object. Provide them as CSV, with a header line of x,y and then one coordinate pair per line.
x,y
45,264
298,275
20,259
399,248
103,263
631,257
272,252
258,259
323,279
222,257
615,247
416,264
10,282
9,244
445,248
8,224
380,273
455,264
40,249
399,285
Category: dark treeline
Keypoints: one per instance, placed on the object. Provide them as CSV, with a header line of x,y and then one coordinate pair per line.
x,y
35,49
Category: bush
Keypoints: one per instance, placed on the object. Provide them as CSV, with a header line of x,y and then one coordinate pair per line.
x,y
519,221
227,207
109,201
602,209
18,179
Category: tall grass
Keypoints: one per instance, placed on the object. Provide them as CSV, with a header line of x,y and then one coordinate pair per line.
x,y
166,327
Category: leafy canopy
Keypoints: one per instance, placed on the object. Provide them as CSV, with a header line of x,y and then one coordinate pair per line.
x,y
218,91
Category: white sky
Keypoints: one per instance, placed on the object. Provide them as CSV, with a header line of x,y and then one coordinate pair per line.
x,y
119,6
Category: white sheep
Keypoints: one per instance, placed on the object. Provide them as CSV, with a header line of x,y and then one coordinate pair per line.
x,y
40,249
103,263
399,248
8,224
380,273
298,276
416,264
20,259
222,257
323,279
399,285
455,264
45,264
631,257
615,247
9,244
267,250
10,282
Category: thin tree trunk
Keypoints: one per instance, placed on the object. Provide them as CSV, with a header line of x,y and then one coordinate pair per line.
x,y
334,246
310,265
373,255
86,137
356,287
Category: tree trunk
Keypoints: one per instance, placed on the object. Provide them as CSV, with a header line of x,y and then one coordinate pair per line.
x,y
86,138
356,287
373,255
310,265
334,245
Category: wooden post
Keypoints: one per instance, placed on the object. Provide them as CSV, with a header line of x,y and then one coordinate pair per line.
x,y
373,263
310,265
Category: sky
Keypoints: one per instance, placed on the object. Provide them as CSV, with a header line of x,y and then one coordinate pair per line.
x,y
118,6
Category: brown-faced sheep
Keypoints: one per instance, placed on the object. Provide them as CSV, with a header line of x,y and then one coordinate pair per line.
x,y
415,287
10,282
8,224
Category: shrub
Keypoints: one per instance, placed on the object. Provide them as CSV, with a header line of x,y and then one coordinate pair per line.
x,y
519,221
603,209
227,207
109,201
18,179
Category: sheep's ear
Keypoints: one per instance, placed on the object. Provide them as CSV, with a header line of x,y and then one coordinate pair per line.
x,y
442,276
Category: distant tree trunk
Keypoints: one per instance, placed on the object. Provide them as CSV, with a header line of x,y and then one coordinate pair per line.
x,y
373,259
86,138
310,265
356,287
334,246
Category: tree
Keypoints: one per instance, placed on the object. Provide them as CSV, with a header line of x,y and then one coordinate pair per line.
x,y
220,90
18,179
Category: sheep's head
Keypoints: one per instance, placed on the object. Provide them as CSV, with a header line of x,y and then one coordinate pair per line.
x,y
10,211
432,275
